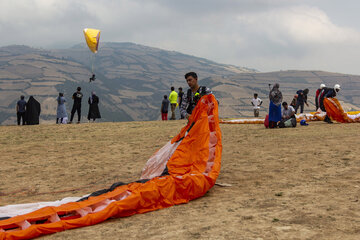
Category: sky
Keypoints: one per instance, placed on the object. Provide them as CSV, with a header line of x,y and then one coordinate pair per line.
x,y
267,35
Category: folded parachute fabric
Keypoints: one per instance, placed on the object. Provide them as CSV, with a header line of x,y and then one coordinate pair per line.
x,y
313,116
242,121
184,169
337,113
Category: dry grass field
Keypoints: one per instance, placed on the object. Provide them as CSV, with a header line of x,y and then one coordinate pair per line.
x,y
301,183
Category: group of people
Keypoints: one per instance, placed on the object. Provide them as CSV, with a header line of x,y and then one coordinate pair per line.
x,y
185,100
29,112
93,102
174,101
285,117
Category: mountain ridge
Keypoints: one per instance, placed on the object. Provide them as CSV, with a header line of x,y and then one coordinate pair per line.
x,y
132,79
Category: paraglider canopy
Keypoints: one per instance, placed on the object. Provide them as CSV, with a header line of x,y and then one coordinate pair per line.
x,y
92,37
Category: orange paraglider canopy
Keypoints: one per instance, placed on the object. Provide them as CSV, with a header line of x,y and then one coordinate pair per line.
x,y
184,169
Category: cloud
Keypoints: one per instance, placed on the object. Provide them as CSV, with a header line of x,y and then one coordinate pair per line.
x,y
262,34
300,24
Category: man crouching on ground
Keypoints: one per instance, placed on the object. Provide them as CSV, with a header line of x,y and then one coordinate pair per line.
x,y
193,94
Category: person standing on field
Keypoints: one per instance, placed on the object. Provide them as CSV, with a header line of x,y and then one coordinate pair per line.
x,y
180,98
93,102
61,109
164,108
275,97
256,102
317,96
193,94
301,100
20,110
77,96
173,97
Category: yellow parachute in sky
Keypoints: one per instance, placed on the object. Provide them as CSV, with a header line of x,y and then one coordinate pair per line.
x,y
92,37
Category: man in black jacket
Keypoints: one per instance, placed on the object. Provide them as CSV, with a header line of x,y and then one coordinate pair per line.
x,y
192,96
77,96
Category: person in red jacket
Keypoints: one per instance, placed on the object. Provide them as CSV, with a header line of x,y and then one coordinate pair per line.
x,y
317,95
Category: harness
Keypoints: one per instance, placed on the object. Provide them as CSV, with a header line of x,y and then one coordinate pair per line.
x,y
194,100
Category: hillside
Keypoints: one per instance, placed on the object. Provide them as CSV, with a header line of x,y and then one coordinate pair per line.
x,y
131,78
291,191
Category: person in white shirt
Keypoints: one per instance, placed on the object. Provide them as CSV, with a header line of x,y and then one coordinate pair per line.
x,y
288,118
287,111
256,102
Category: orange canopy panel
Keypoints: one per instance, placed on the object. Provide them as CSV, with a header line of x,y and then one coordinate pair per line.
x,y
337,113
184,169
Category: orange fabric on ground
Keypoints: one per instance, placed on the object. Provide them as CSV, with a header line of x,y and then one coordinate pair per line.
x,y
193,169
337,113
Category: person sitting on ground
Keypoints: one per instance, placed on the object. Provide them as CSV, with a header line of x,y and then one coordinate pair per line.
x,y
317,95
275,97
164,108
288,116
61,109
256,102
173,98
193,94
301,99
20,110
287,111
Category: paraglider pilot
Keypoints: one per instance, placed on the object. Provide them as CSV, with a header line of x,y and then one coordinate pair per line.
x,y
192,96
92,78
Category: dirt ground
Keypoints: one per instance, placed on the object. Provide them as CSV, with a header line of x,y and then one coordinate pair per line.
x,y
301,183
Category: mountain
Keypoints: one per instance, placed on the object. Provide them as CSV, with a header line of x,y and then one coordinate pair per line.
x,y
131,78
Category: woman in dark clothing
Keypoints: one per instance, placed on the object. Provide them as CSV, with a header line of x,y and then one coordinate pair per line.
x,y
275,97
33,110
93,107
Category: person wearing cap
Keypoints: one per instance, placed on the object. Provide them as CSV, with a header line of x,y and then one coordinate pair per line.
x,y
20,110
301,99
317,94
